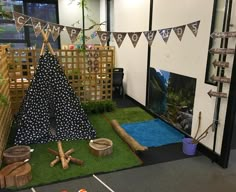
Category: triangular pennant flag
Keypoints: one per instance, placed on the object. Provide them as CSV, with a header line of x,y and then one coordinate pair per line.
x,y
20,20
73,33
104,36
179,31
165,33
150,35
55,30
194,27
134,37
38,25
119,37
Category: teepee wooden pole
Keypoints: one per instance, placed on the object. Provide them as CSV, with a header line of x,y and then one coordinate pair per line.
x,y
45,42
42,49
48,44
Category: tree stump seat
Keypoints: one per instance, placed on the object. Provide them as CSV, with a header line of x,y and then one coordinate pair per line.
x,y
15,174
101,147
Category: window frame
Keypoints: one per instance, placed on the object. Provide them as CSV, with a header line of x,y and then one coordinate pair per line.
x,y
26,39
223,43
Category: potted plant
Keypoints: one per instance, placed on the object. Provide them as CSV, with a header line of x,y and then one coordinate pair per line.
x,y
190,144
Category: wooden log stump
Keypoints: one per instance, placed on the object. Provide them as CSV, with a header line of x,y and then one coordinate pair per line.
x,y
101,147
15,174
16,154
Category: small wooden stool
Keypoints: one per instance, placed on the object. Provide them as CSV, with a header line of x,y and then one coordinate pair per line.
x,y
101,147
15,174
16,154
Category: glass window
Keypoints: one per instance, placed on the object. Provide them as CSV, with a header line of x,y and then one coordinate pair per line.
x,y
7,25
46,12
8,32
219,24
26,36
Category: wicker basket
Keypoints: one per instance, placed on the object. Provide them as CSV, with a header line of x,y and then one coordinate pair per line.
x,y
101,147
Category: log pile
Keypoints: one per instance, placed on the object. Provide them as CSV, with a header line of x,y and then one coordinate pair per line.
x,y
64,157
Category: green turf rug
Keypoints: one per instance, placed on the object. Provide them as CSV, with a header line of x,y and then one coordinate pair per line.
x,y
121,158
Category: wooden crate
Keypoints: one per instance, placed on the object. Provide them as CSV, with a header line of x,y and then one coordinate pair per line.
x,y
89,72
5,109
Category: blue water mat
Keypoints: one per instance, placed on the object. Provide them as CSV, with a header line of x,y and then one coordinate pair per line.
x,y
153,133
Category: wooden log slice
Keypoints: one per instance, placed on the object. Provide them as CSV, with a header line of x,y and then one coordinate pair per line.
x,y
16,154
15,174
2,181
101,147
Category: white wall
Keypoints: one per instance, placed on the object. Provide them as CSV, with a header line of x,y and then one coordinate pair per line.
x,y
188,57
132,16
70,13
103,13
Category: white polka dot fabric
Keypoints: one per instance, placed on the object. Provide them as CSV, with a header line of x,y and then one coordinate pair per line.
x,y
50,93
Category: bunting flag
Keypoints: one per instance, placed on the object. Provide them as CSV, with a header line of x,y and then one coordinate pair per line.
x,y
150,35
73,33
38,25
194,27
55,30
119,37
179,31
165,34
104,36
20,20
134,37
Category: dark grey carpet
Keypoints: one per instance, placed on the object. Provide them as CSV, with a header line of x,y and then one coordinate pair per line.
x,y
124,101
162,154
196,174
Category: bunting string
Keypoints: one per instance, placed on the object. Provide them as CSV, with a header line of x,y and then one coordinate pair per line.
x,y
38,25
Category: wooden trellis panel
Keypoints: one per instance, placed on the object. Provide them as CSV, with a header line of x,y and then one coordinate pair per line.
x,y
21,64
89,72
5,108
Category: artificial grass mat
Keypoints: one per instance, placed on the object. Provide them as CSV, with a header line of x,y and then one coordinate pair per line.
x,y
121,158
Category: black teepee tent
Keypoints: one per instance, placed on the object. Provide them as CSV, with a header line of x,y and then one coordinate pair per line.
x,y
50,96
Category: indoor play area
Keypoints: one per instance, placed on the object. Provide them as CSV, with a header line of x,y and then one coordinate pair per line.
x,y
91,90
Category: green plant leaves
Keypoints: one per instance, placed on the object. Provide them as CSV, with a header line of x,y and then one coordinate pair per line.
x,y
3,100
99,106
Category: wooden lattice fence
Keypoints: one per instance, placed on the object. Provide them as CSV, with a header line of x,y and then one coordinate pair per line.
x,y
5,105
89,72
